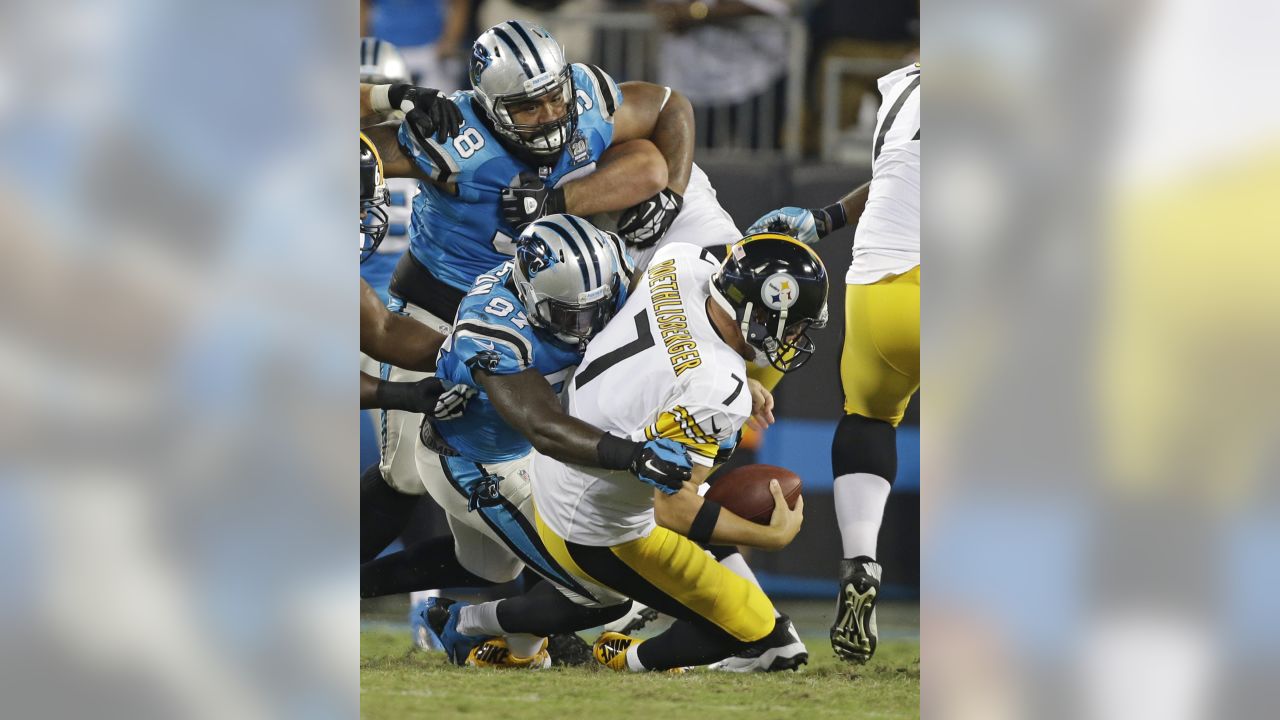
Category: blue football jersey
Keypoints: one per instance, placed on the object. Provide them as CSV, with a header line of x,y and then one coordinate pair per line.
x,y
458,237
378,268
492,331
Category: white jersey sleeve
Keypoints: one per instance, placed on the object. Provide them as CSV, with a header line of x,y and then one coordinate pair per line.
x,y
887,239
706,420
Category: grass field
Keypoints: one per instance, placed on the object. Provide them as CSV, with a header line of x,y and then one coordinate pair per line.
x,y
399,682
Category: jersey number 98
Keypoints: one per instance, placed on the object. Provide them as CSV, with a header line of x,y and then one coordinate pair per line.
x,y
468,142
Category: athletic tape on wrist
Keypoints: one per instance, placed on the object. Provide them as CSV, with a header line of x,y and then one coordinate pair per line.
x,y
380,98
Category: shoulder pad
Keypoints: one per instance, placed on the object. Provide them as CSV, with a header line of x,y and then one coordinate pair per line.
x,y
601,88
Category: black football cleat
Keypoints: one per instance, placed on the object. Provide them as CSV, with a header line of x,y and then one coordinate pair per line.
x,y
854,634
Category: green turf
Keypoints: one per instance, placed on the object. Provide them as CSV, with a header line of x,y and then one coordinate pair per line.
x,y
399,682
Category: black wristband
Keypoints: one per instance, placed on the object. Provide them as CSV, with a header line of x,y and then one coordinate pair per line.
x,y
836,218
704,523
555,202
405,395
615,453
395,94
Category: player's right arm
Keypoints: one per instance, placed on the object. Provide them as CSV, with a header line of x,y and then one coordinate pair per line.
x,y
810,226
527,403
705,521
395,161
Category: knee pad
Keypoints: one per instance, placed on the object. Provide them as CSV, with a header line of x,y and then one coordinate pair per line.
x,y
865,445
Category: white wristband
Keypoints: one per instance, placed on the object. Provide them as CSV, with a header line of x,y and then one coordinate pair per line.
x,y
380,98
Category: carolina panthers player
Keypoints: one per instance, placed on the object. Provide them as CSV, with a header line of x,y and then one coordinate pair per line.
x,y
518,335
529,112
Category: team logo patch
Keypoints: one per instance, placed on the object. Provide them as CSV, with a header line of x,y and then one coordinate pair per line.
x,y
578,149
780,291
480,60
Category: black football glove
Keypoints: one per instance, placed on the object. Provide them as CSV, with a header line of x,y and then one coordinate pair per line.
x,y
438,398
529,199
427,111
646,223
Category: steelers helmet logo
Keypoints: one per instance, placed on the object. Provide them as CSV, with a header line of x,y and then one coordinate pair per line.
x,y
780,291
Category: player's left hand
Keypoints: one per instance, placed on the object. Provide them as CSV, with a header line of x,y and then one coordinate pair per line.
x,y
529,199
452,401
796,222
427,111
646,223
761,405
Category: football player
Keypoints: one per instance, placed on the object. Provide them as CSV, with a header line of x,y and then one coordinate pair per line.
x,y
518,335
672,365
529,112
880,362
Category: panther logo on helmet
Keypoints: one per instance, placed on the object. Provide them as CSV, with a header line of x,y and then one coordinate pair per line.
x,y
780,291
480,60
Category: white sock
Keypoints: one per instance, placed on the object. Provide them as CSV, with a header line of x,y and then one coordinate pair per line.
x,y
633,659
524,645
480,619
739,566
860,500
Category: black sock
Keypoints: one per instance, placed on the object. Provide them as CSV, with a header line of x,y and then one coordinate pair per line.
x,y
543,610
428,565
384,511
686,644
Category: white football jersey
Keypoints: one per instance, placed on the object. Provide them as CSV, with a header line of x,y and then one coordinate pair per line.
x,y
657,370
887,239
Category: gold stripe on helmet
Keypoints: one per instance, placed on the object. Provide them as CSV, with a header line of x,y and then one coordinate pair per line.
x,y
376,155
773,236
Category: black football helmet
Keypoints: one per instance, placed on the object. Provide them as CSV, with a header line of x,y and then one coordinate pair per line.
x,y
776,288
373,199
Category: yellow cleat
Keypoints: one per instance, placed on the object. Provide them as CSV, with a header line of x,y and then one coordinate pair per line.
x,y
610,650
494,653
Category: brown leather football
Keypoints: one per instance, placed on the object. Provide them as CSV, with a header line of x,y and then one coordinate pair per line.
x,y
745,491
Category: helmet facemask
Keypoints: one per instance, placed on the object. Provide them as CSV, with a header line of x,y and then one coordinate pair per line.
x,y
373,228
543,140
374,200
576,324
786,347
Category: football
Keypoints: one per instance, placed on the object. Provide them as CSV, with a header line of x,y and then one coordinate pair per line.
x,y
745,490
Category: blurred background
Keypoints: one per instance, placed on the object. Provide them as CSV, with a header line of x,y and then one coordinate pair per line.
x,y
785,101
